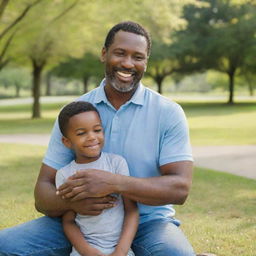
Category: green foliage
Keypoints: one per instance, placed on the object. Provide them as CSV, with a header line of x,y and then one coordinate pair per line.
x,y
84,68
15,77
219,35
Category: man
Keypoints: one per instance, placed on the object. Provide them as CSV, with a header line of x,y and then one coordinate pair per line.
x,y
148,130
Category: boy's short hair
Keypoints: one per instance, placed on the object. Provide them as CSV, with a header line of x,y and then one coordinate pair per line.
x,y
72,109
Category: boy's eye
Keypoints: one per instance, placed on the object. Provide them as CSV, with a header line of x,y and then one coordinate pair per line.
x,y
98,130
80,133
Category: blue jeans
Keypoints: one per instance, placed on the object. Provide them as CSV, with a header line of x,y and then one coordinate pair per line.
x,y
45,237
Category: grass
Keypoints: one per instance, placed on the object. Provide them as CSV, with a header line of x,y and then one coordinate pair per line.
x,y
218,217
221,124
211,123
17,118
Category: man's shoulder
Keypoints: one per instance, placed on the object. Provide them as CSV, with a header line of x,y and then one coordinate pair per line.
x,y
89,96
160,100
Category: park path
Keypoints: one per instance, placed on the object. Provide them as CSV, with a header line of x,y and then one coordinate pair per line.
x,y
238,160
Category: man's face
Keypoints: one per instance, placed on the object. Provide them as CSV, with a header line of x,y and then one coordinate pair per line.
x,y
125,61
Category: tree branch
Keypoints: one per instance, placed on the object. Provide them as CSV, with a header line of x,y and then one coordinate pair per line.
x,y
19,18
64,12
3,5
6,46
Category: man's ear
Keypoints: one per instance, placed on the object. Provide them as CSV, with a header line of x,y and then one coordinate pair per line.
x,y
66,142
103,54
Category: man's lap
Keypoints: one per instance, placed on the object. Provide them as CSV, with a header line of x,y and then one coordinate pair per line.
x,y
44,236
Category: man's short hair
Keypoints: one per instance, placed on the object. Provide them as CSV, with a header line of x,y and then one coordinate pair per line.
x,y
128,26
73,109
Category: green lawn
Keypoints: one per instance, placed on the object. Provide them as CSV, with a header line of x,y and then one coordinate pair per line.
x,y
211,123
218,217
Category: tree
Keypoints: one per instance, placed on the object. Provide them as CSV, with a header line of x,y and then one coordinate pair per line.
x,y
219,36
17,77
80,68
10,25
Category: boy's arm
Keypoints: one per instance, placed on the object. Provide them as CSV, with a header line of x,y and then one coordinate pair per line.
x,y
75,236
130,225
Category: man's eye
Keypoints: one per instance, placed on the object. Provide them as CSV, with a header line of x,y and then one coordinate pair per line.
x,y
139,58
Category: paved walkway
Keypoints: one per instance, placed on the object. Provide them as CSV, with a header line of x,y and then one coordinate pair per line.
x,y
239,160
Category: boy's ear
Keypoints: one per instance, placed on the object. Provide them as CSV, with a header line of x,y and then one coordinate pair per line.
x,y
103,55
66,142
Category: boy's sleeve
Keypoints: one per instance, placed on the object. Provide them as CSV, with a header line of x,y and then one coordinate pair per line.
x,y
121,166
59,179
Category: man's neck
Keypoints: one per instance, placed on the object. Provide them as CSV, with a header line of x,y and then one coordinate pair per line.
x,y
116,98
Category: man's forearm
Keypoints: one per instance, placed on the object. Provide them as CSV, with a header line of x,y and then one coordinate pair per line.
x,y
153,191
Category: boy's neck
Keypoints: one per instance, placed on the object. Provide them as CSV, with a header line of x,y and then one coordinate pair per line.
x,y
87,160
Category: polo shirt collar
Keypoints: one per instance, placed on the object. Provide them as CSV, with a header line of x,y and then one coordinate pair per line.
x,y
137,98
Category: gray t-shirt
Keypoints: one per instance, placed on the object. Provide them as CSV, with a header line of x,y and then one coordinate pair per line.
x,y
102,231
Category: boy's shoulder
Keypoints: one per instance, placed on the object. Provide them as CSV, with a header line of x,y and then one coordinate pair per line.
x,y
118,163
113,157
66,170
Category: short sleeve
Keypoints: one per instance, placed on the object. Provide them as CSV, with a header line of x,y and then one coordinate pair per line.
x,y
175,142
57,155
59,179
121,166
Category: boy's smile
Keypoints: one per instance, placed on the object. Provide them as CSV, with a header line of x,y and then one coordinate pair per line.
x,y
85,136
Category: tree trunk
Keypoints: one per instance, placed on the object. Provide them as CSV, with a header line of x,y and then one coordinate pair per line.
x,y
17,91
231,76
48,84
159,82
85,84
37,72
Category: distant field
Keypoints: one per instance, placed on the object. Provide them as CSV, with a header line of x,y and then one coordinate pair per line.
x,y
211,122
218,217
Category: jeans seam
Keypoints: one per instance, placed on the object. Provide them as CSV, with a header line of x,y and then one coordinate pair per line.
x,y
143,249
43,251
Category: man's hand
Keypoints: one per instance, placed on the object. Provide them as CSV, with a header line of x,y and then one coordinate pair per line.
x,y
87,183
93,206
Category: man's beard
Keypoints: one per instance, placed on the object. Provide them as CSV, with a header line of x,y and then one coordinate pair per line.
x,y
122,86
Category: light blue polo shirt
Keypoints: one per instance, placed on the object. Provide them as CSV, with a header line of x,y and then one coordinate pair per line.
x,y
148,131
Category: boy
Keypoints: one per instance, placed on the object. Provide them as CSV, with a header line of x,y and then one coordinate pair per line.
x,y
111,232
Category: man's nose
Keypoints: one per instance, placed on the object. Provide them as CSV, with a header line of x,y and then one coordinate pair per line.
x,y
127,62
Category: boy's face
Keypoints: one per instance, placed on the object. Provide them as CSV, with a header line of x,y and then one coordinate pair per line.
x,y
85,136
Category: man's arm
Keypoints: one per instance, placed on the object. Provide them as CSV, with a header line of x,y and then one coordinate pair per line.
x,y
172,187
75,236
46,200
48,203
129,229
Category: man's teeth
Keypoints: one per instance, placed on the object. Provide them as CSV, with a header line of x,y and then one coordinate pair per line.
x,y
124,74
